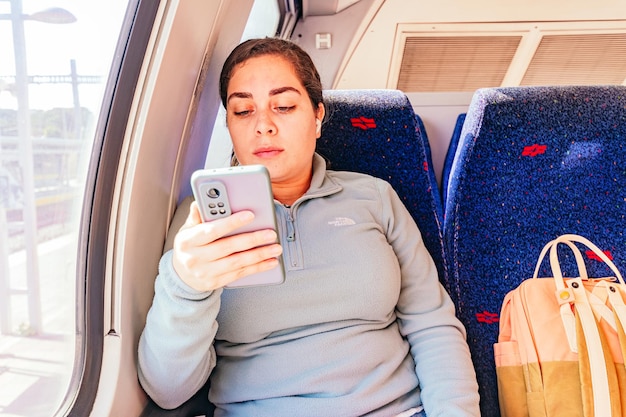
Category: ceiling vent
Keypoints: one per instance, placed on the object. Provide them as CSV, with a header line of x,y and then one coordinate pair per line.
x,y
578,59
470,56
455,63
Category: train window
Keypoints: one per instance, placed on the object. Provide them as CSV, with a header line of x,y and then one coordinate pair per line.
x,y
56,56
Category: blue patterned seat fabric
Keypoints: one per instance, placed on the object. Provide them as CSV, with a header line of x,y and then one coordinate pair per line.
x,y
532,163
449,159
377,132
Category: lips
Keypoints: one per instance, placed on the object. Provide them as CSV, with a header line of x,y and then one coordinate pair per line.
x,y
267,152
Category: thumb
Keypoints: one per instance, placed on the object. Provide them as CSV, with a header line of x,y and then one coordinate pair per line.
x,y
194,217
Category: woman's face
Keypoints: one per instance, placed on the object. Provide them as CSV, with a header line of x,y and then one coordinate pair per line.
x,y
271,119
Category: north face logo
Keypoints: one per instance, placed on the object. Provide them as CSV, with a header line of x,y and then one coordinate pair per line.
x,y
341,221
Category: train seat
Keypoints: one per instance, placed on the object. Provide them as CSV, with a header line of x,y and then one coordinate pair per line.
x,y
427,151
377,132
447,162
532,163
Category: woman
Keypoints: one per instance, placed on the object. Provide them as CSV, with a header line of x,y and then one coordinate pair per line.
x,y
361,326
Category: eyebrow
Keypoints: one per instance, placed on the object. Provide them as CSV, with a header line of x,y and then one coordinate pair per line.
x,y
283,90
273,92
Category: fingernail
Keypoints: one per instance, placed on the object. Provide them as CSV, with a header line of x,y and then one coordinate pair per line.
x,y
276,250
246,215
269,236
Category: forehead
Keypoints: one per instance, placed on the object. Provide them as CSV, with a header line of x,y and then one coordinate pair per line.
x,y
265,68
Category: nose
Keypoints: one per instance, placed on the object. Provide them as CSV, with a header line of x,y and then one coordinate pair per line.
x,y
265,125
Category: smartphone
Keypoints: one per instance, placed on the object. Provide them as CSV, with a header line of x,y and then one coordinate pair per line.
x,y
223,191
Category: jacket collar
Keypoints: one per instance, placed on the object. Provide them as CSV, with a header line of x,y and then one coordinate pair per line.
x,y
322,184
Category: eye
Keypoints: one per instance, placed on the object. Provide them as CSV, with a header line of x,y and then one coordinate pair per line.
x,y
242,110
284,109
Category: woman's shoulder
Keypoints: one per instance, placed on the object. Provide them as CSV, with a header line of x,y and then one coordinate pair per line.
x,y
347,178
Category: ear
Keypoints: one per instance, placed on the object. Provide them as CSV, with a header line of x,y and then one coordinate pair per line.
x,y
319,115
320,112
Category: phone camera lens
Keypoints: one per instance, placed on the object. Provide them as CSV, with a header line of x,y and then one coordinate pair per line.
x,y
213,192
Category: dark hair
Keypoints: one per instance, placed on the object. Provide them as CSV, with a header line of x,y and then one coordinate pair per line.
x,y
303,65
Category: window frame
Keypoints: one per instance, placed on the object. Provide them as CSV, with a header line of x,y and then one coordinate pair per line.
x,y
95,219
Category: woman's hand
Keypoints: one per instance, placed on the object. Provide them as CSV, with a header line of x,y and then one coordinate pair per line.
x,y
206,260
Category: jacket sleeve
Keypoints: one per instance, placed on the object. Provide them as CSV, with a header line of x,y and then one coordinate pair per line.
x,y
426,317
176,354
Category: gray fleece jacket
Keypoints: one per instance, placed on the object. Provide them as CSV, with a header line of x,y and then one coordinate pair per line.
x,y
360,327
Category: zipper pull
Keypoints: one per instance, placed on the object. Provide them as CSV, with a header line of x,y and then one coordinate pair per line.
x,y
291,230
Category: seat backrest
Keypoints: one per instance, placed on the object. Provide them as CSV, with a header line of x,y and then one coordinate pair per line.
x,y
532,163
377,132
449,159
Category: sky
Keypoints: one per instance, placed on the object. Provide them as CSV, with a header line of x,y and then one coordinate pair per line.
x,y
90,41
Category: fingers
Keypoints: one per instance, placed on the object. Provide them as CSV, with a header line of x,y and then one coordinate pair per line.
x,y
240,243
197,233
242,264
206,273
205,258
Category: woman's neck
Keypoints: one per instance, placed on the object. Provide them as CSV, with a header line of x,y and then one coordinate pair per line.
x,y
288,194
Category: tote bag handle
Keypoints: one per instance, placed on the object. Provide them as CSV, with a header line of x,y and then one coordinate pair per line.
x,y
575,293
580,263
